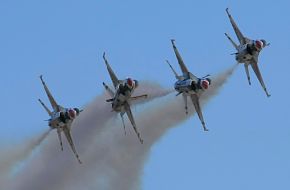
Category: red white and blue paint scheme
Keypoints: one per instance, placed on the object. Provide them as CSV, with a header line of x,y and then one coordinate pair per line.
x,y
188,84
122,96
60,118
248,52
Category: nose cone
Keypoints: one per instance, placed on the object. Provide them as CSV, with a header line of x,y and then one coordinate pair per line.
x,y
209,80
136,83
264,42
77,111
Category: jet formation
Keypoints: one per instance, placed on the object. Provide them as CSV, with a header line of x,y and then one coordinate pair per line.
x,y
187,85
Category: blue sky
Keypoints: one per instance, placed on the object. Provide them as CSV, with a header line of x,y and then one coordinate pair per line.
x,y
248,143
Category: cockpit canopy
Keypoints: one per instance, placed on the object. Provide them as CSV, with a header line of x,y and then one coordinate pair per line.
x,y
259,44
204,83
131,83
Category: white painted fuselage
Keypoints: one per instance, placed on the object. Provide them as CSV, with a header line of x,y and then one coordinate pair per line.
x,y
246,53
186,86
122,95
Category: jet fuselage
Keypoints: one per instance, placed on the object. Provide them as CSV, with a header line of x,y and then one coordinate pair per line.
x,y
247,52
123,94
59,119
190,86
187,85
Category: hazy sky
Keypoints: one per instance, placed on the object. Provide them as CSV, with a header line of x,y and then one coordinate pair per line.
x,y
247,146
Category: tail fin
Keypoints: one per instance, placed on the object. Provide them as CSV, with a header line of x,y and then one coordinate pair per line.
x,y
59,138
122,114
247,72
185,102
45,107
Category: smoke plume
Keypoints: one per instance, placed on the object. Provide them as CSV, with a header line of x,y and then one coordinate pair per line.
x,y
14,154
49,167
111,160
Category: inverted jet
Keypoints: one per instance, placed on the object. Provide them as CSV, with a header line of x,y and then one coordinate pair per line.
x,y
188,84
248,52
61,119
122,96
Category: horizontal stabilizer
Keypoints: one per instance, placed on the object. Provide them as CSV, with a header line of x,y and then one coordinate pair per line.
x,y
109,90
232,41
45,107
175,73
113,76
110,100
139,97
178,93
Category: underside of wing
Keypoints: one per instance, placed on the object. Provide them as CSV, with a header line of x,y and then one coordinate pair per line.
x,y
52,101
66,131
111,72
239,34
179,59
131,118
256,69
195,101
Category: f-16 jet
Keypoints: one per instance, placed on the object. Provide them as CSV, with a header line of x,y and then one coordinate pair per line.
x,y
188,84
122,96
61,119
248,52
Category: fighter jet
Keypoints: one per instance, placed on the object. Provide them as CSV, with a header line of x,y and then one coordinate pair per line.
x,y
122,96
188,84
248,52
60,119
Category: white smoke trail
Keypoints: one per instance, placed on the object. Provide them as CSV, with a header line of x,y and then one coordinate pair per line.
x,y
13,155
49,168
117,161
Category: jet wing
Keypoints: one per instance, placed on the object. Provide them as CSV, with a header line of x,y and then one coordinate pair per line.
x,y
111,72
131,118
254,64
179,59
66,131
240,36
195,101
52,101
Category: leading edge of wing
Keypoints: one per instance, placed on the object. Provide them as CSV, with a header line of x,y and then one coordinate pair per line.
x,y
52,101
195,101
239,34
131,118
113,76
67,134
179,59
256,69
